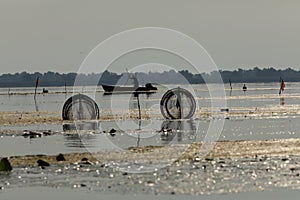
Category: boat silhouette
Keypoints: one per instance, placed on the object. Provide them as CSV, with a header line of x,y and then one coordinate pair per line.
x,y
148,88
112,88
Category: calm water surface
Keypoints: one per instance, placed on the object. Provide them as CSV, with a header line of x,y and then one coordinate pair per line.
x,y
217,177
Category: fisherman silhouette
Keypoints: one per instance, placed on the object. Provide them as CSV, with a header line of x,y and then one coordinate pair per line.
x,y
244,88
135,81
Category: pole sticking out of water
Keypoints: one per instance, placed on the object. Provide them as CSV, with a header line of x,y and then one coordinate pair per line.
x,y
139,106
230,84
140,117
178,103
36,85
65,87
230,87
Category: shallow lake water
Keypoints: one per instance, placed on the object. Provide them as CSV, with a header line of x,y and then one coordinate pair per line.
x,y
268,116
64,140
258,95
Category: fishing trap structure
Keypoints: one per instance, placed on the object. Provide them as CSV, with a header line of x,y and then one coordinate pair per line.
x,y
80,107
178,103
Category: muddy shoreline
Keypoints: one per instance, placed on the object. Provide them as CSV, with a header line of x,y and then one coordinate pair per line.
x,y
178,152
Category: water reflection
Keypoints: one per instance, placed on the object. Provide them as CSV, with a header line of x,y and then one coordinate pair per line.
x,y
178,131
36,104
168,132
282,101
76,140
73,140
80,126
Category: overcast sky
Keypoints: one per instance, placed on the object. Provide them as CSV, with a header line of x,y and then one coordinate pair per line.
x,y
56,35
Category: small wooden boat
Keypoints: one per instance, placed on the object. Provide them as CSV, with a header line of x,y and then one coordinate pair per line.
x,y
111,88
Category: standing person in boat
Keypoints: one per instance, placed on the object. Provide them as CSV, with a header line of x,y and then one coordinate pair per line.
x,y
135,81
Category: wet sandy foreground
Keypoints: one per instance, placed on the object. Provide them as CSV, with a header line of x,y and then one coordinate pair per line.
x,y
172,153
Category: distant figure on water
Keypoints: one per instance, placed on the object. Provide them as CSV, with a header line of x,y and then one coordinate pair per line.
x,y
282,86
45,91
135,81
244,88
230,87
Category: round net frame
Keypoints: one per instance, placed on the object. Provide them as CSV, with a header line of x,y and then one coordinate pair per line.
x,y
80,107
178,103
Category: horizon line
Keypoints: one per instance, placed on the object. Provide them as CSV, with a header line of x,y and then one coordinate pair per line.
x,y
119,73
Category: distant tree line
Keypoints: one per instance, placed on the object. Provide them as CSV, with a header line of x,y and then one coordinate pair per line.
x,y
261,75
25,79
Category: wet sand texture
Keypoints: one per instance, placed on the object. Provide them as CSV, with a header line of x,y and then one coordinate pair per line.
x,y
178,152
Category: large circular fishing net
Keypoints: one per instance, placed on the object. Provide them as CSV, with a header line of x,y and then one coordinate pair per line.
x,y
177,103
80,107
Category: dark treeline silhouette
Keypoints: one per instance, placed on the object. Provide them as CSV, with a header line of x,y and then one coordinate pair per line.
x,y
25,79
261,75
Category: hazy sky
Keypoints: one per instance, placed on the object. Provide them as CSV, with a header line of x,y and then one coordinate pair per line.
x,y
56,35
